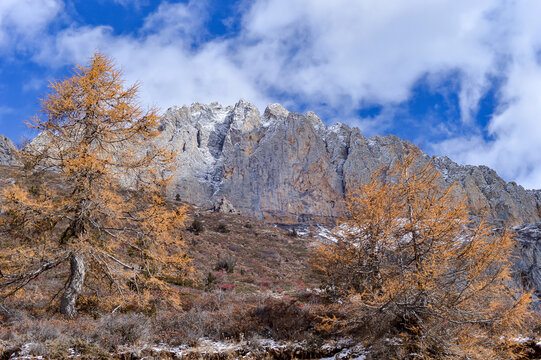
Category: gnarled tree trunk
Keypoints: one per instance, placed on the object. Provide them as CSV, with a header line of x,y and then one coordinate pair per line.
x,y
76,281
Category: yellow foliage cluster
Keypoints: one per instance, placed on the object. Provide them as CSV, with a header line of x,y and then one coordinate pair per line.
x,y
107,215
411,264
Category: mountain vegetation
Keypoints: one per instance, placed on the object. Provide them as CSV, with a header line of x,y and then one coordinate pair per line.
x,y
116,239
410,263
99,260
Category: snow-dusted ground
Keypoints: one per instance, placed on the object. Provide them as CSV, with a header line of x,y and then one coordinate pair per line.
x,y
345,349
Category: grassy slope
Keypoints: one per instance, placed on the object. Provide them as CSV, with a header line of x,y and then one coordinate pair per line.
x,y
266,257
259,285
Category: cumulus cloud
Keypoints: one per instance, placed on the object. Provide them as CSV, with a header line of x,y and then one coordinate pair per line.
x,y
163,58
22,20
342,52
336,56
515,147
338,53
178,20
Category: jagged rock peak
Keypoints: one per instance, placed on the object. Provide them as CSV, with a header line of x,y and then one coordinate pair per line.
x,y
315,120
245,116
8,151
275,111
284,166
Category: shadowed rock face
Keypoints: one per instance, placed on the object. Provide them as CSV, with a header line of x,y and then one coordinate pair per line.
x,y
528,261
8,152
291,168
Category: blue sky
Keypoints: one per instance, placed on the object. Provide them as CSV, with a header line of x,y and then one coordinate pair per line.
x,y
461,78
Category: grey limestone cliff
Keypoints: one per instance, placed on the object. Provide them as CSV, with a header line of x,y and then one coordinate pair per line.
x,y
287,167
8,151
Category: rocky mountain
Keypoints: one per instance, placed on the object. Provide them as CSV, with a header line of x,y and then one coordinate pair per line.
x,y
292,168
8,151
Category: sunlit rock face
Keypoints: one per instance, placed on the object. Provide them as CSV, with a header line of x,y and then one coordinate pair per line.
x,y
8,152
286,167
274,167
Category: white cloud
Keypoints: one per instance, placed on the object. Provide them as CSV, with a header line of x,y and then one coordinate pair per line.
x,y
178,20
515,151
22,20
365,49
171,76
339,53
163,60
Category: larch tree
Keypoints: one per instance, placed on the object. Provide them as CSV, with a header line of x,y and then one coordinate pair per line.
x,y
105,213
409,263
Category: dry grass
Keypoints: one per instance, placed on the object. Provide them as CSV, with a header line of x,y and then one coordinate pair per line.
x,y
217,315
252,280
265,258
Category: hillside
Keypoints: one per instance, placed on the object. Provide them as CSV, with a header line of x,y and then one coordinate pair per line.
x,y
252,291
253,295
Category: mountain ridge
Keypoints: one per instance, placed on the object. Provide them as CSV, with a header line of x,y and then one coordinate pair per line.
x,y
287,167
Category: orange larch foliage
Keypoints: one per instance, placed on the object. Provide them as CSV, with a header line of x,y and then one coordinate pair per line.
x,y
107,216
415,270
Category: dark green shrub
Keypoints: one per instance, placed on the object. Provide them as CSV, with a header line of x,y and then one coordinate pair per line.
x,y
197,227
227,264
222,228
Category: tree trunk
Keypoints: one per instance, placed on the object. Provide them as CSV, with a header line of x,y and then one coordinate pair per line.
x,y
76,281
